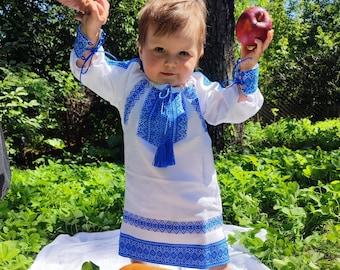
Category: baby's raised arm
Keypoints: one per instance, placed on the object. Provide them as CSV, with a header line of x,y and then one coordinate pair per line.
x,y
252,56
93,14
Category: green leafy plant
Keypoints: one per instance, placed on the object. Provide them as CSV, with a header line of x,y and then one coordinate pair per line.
x,y
54,199
295,134
294,195
26,107
89,266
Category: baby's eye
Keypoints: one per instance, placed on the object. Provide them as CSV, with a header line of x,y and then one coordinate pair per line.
x,y
159,50
183,53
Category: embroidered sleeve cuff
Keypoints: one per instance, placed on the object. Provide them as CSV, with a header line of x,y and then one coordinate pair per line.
x,y
82,43
247,80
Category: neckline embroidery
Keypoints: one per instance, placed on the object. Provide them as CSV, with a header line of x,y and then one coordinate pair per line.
x,y
163,120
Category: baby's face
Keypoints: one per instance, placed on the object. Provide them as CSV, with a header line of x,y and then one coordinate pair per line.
x,y
170,59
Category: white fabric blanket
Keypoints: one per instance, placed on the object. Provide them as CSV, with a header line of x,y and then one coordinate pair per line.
x,y
70,252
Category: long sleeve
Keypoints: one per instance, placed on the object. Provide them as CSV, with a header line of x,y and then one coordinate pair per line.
x,y
220,105
111,80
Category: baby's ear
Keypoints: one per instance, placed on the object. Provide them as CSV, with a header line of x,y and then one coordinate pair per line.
x,y
202,53
140,48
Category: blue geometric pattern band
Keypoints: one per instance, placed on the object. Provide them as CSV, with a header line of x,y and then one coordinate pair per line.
x,y
133,97
190,94
247,80
166,226
192,256
82,43
161,115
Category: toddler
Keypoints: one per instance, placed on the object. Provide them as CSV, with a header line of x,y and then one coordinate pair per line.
x,y
172,211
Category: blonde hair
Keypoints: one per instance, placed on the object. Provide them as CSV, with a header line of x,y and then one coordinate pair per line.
x,y
169,16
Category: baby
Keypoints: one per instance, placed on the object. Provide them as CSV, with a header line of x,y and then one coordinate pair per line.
x,y
173,210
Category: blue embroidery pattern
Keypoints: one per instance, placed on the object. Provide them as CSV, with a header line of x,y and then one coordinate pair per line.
x,y
247,80
163,120
192,227
122,64
159,114
194,256
81,43
133,97
191,95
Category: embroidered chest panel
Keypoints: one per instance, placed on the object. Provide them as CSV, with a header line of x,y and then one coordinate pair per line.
x,y
163,118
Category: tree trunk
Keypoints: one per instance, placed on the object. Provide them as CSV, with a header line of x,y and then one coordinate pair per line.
x,y
219,59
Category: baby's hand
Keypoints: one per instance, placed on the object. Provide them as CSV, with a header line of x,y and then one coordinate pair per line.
x,y
94,16
254,53
92,13
78,5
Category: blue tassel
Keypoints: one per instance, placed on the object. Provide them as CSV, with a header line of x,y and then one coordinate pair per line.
x,y
164,156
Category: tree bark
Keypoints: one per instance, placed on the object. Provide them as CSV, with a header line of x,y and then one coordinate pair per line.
x,y
219,58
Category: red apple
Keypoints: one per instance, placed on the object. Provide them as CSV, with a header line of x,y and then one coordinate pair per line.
x,y
255,22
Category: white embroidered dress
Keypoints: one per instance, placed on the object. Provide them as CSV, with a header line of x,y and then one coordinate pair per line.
x,y
172,214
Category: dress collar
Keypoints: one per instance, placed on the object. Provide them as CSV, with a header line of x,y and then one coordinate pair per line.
x,y
173,89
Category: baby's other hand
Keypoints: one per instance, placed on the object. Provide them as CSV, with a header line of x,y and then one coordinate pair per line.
x,y
78,5
254,53
94,17
96,11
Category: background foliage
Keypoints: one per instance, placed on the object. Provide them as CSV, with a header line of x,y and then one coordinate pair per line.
x,y
36,39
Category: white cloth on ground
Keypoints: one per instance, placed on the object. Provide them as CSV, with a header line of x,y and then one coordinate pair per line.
x,y
70,252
